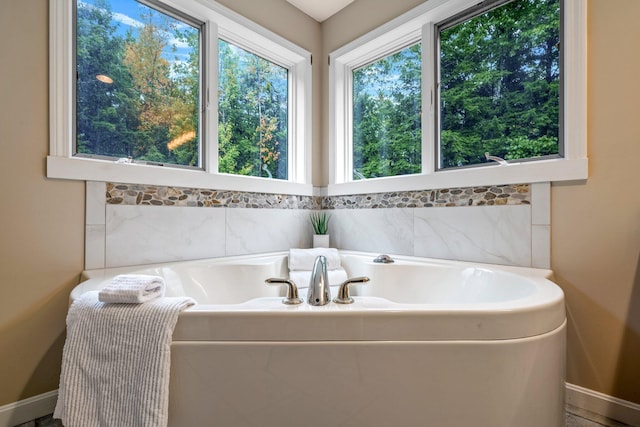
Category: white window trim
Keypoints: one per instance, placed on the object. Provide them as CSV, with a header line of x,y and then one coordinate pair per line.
x,y
418,23
220,22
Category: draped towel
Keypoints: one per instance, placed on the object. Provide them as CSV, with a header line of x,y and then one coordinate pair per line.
x,y
115,362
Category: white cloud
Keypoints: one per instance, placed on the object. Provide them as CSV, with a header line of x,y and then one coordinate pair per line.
x,y
127,20
119,17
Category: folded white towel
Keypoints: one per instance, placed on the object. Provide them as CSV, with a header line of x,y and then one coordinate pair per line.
x,y
303,259
302,278
132,288
115,362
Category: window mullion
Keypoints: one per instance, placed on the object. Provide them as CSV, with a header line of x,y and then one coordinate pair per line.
x,y
429,99
299,121
292,126
210,101
348,126
338,120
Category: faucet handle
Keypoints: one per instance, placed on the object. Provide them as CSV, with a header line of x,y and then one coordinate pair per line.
x,y
343,292
292,290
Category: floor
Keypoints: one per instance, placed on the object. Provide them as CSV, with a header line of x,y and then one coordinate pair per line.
x,y
575,418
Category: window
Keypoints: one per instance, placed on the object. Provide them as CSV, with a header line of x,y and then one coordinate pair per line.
x,y
137,83
499,80
179,93
386,115
252,114
499,83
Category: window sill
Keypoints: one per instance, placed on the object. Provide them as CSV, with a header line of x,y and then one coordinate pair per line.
x,y
100,170
517,173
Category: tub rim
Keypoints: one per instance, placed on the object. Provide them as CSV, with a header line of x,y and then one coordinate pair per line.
x,y
370,318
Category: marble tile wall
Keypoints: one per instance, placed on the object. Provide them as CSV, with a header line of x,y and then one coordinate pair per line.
x,y
131,225
483,234
149,234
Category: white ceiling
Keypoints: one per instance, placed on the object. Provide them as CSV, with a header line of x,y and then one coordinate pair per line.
x,y
320,9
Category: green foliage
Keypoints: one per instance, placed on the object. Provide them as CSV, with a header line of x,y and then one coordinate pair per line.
x,y
499,93
319,222
150,110
252,114
521,147
386,116
105,112
500,84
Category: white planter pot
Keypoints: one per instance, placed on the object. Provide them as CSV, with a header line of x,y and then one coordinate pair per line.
x,y
320,240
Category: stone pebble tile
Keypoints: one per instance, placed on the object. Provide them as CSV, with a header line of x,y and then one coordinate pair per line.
x,y
454,197
134,194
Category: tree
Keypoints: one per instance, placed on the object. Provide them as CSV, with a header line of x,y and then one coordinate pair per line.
x,y
148,101
386,116
252,114
500,84
106,110
168,93
186,92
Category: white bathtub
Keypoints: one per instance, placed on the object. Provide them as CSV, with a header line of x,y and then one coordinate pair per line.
x,y
426,343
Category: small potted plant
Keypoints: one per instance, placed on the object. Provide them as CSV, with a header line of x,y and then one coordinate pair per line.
x,y
320,223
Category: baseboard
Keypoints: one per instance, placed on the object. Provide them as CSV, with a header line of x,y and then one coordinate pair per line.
x,y
28,409
602,404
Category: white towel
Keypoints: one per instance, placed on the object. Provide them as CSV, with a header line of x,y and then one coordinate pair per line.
x,y
302,278
303,259
132,288
115,362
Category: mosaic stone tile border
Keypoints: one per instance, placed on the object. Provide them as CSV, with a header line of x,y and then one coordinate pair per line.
x,y
135,194
448,197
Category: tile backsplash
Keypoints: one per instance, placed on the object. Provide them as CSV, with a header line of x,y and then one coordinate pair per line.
x,y
150,195
136,224
147,195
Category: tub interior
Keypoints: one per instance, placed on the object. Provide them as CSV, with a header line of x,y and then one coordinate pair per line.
x,y
222,283
431,283
402,282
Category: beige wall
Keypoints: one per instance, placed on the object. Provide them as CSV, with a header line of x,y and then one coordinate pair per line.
x,y
596,226
42,227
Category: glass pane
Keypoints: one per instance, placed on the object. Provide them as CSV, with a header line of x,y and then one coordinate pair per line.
x,y
137,92
252,114
386,116
499,90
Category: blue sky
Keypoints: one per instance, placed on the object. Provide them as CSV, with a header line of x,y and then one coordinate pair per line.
x,y
127,16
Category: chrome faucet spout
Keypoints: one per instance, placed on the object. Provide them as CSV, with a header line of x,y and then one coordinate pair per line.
x,y
319,293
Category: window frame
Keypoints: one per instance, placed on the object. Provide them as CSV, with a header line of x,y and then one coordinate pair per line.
x,y
219,22
185,18
420,24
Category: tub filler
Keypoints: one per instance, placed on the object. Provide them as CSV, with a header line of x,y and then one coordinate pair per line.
x,y
425,343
